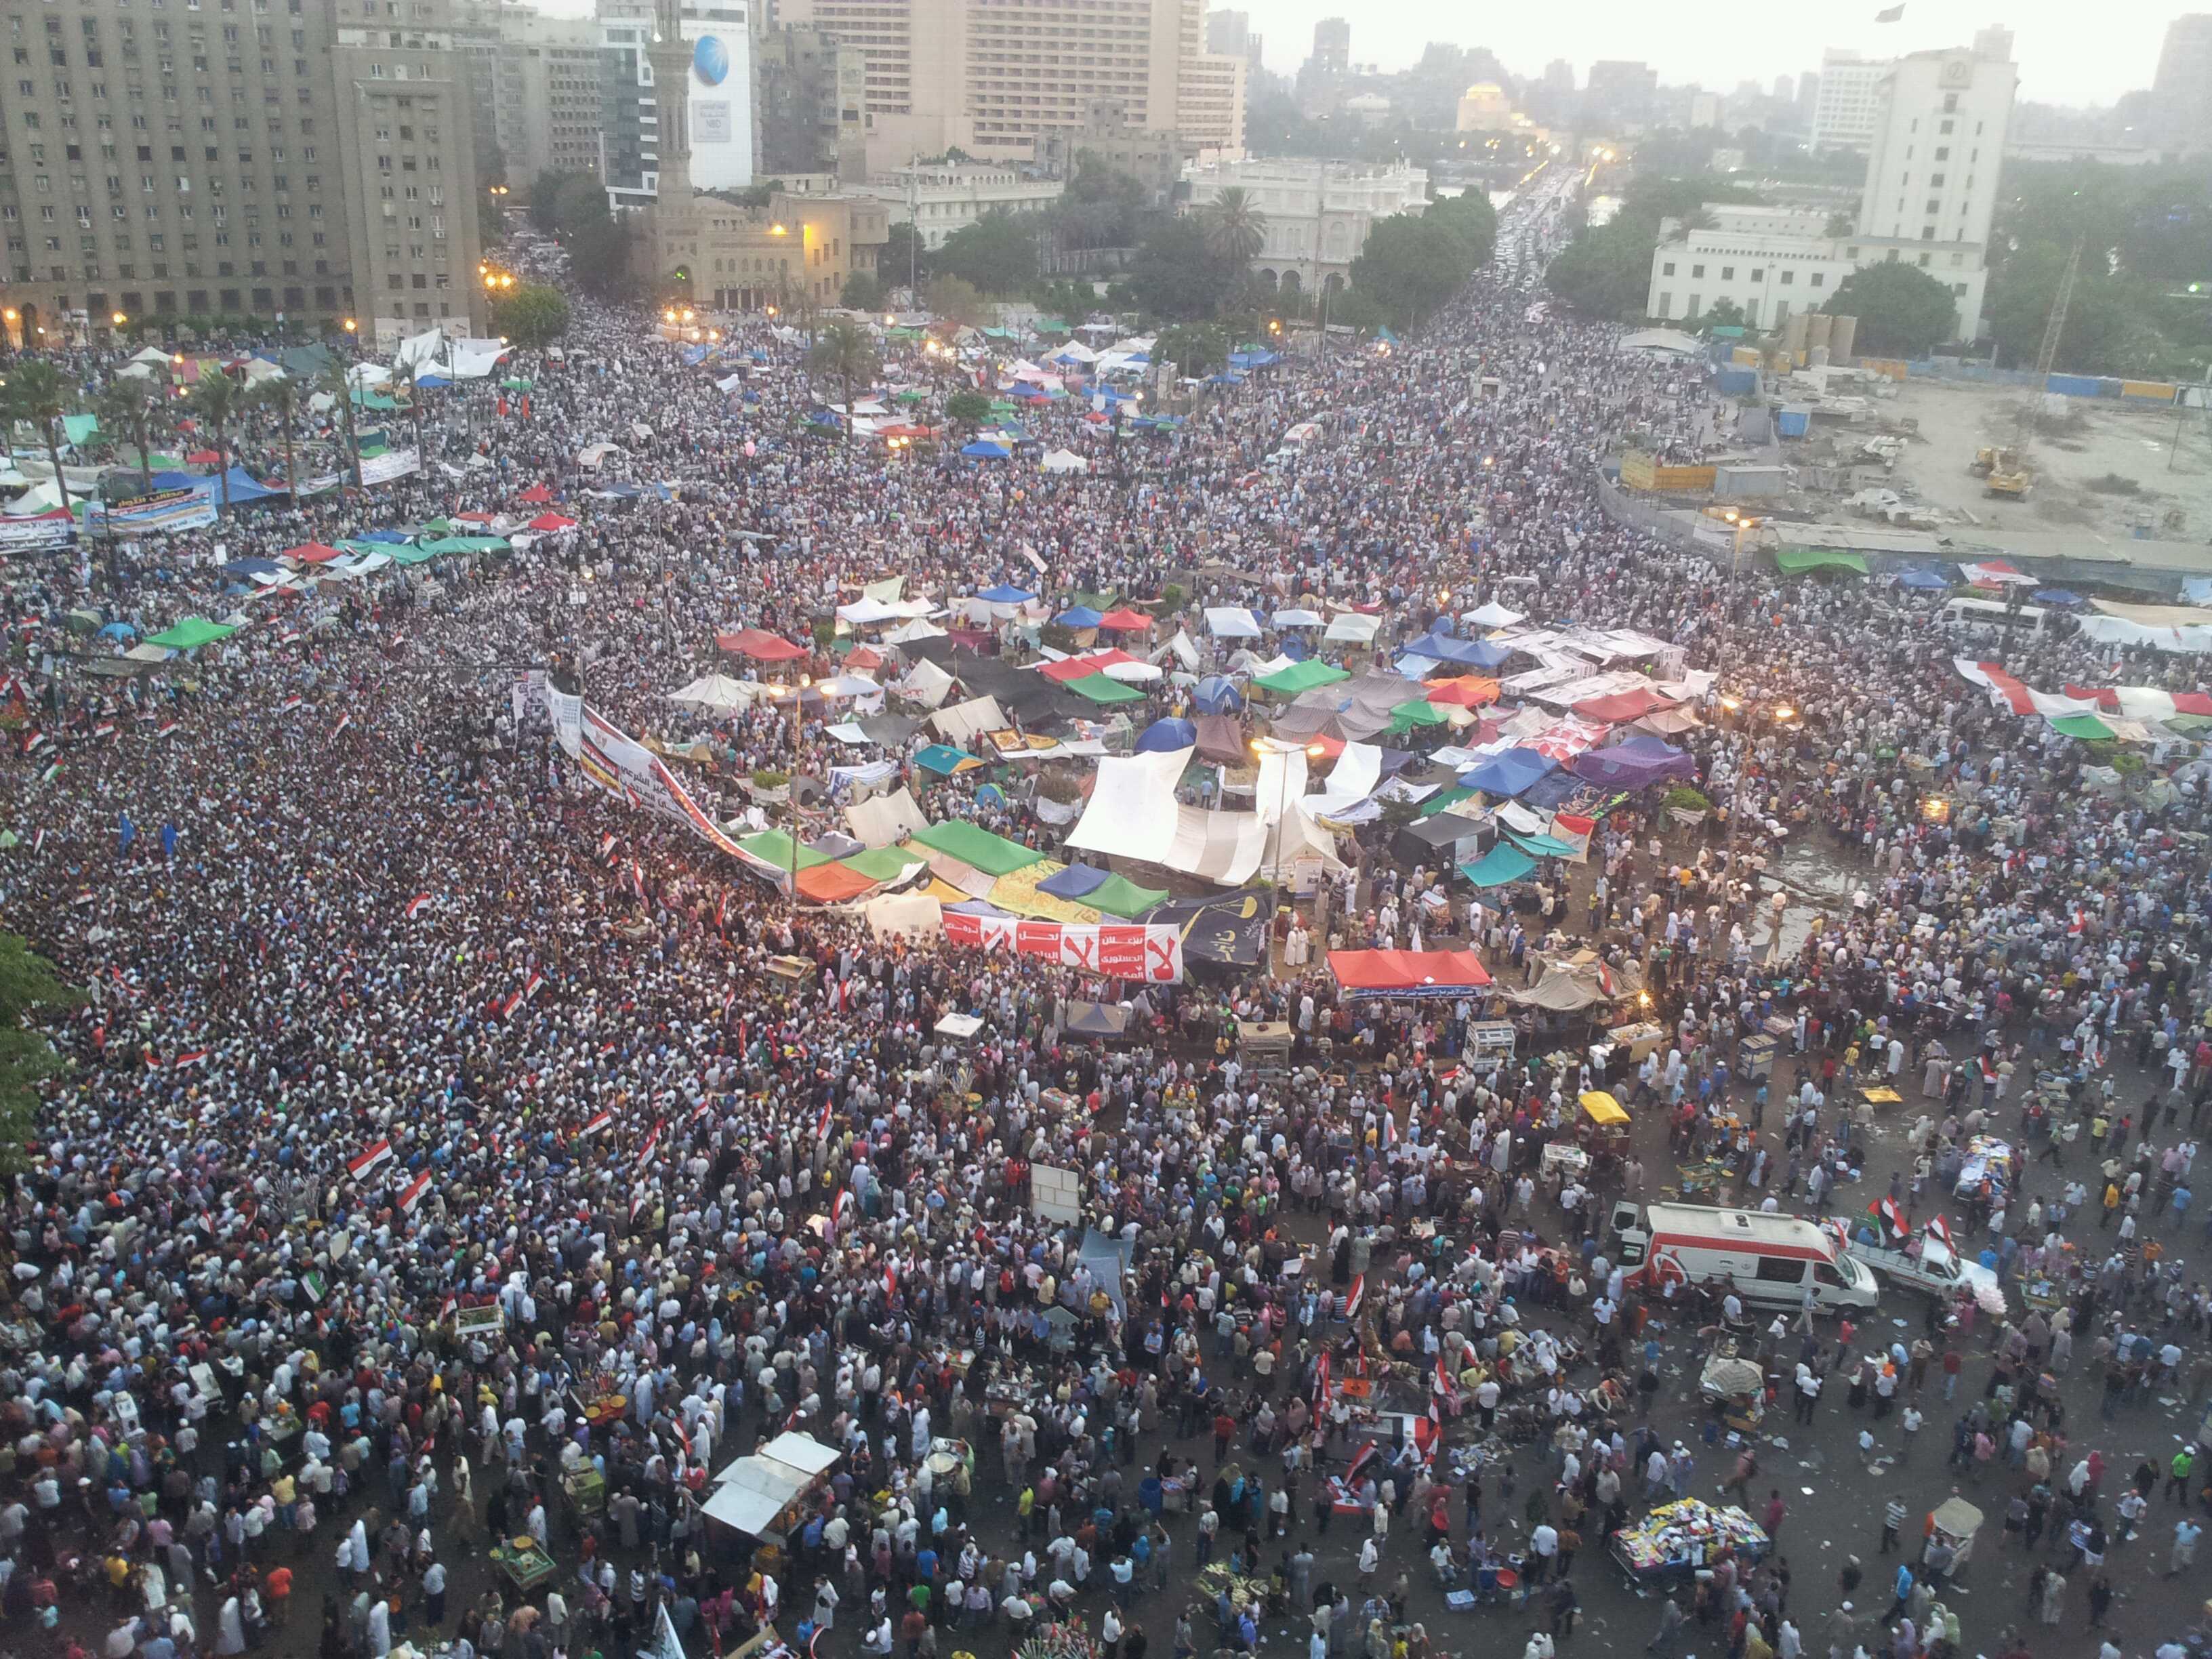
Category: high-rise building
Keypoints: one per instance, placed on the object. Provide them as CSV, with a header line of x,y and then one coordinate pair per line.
x,y
1332,46
1845,104
1785,89
547,81
1621,92
994,79
1231,34
253,163
2181,95
1938,147
1559,74
719,79
813,103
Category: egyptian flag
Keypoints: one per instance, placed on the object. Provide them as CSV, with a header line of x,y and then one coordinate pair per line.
x,y
637,878
165,728
721,909
1428,1433
345,721
196,1057
652,1143
606,846
822,1126
1942,1231
289,704
837,1210
1368,1453
597,1121
891,1280
104,729
35,742
1320,1384
530,986
360,1167
1356,1301
703,1108
411,1193
1389,1130
1892,1217
415,906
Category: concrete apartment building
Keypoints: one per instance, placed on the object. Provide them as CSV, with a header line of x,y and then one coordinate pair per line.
x,y
1847,100
2181,93
1318,213
550,96
942,198
1933,166
239,158
1154,160
994,79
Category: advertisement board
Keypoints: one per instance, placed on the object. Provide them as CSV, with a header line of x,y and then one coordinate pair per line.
x,y
719,97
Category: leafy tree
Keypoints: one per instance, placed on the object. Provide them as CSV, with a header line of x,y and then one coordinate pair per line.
x,y
863,291
598,254
337,385
1235,228
134,405
1469,217
1068,300
1607,271
581,200
1903,312
1409,266
954,299
28,982
37,394
970,409
1195,349
491,221
904,262
1100,207
409,396
845,352
1723,314
279,395
997,253
545,199
1177,274
219,400
1353,309
530,315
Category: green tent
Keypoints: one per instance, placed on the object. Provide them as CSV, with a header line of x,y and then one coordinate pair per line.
x,y
372,400
434,527
517,384
1443,800
1119,897
1301,677
910,397
78,428
1797,561
994,855
2187,722
1408,715
191,634
1105,689
1502,866
881,863
773,847
1102,602
2088,727
1543,846
410,555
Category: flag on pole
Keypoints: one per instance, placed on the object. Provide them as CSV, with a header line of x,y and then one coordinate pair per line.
x,y
34,743
652,1141
361,1164
1941,1229
1891,1216
415,905
1320,1384
597,1121
411,1194
606,846
1893,13
195,1057
1389,1130
165,728
1356,1300
345,721
104,729
822,1126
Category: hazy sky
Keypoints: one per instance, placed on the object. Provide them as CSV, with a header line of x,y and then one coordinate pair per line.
x,y
2068,52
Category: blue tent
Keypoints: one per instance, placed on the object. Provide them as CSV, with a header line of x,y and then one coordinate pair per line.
x,y
246,569
1074,882
1640,760
393,537
943,758
1217,694
1510,773
1165,735
1252,359
244,486
1079,615
984,450
118,630
1004,595
1926,580
1464,653
2057,596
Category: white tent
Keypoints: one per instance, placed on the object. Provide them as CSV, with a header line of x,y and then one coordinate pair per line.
x,y
1230,622
926,683
151,354
916,629
717,692
1064,460
473,359
865,612
1354,627
968,720
1492,615
886,820
751,1492
420,351
361,376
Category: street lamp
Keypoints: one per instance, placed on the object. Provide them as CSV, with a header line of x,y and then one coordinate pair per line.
x,y
118,320
1742,525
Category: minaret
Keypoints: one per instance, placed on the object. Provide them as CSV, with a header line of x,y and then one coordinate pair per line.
x,y
672,214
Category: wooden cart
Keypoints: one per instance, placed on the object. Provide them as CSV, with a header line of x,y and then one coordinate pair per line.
x,y
523,1564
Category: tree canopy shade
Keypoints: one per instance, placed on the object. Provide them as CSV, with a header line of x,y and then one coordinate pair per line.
x,y
970,409
1607,272
997,253
37,394
28,982
844,351
1178,276
1235,228
1903,312
532,316
1410,266
1469,217
863,291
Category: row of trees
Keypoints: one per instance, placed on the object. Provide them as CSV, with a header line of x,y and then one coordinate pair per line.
x,y
573,206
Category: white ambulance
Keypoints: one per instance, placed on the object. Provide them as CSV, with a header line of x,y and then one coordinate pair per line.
x,y
1766,1260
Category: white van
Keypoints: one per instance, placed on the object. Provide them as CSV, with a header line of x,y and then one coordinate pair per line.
x,y
1957,614
1767,1260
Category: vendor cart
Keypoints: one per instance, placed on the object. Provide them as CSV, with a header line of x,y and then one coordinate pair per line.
x,y
1734,1390
1679,1540
1605,1122
1955,1521
523,1562
583,1495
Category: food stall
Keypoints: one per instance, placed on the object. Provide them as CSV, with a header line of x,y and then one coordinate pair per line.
x,y
1677,1540
523,1562
1734,1390
1955,1521
1605,1124
1986,1173
764,1496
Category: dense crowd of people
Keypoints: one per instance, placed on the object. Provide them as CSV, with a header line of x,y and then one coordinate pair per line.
x,y
437,1129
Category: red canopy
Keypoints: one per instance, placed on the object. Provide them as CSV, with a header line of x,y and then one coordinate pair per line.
x,y
1126,620
1077,668
1408,973
476,518
309,553
1629,705
203,458
759,645
833,884
1466,690
866,656
536,495
551,522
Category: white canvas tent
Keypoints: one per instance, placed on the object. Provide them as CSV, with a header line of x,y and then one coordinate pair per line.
x,y
965,720
1064,460
886,820
717,692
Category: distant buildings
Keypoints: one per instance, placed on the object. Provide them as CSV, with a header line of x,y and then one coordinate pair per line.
x,y
2181,95
1318,213
1846,100
942,198
1935,147
1484,107
1621,93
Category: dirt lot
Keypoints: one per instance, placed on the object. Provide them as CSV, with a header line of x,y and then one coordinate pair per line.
x,y
2084,464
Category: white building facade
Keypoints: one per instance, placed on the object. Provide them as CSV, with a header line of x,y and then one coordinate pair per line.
x,y
1846,108
1933,158
943,199
1318,213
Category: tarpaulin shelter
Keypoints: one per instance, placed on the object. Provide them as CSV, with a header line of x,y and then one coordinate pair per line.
x,y
1501,867
1079,617
1621,706
971,844
752,1492
1301,677
1077,668
1094,1019
1510,773
760,645
1125,621
1927,581
1104,688
834,882
1797,560
884,820
1408,973
1466,653
1230,622
1075,882
1003,594
1220,739
1117,896
191,634
1461,692
943,759
1168,733
1634,763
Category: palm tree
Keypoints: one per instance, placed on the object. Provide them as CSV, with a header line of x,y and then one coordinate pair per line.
x,y
219,400
336,384
280,396
134,405
38,392
846,351
1235,226
404,392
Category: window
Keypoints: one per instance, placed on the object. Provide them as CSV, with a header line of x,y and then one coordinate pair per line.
x,y
1789,277
1946,128
1851,253
1924,262
1728,273
1958,290
1827,1276
1934,181
1697,271
1666,269
1759,273
1781,1270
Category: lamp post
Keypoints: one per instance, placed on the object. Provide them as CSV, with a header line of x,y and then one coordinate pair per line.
x,y
1742,526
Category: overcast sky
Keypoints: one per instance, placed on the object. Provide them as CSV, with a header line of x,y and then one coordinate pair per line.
x,y
2068,52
